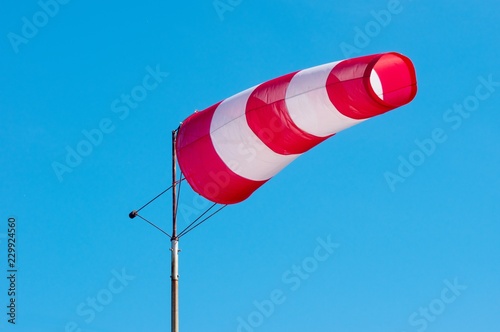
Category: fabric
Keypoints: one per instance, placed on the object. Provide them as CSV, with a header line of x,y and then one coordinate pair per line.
x,y
230,149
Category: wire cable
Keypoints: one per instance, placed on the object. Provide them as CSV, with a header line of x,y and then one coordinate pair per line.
x,y
178,194
184,232
149,222
164,191
194,221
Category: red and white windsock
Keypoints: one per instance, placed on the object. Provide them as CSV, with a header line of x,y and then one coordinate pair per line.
x,y
230,149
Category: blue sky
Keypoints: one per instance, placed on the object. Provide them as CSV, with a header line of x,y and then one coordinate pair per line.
x,y
333,243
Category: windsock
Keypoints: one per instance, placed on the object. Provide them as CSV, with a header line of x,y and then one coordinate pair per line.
x,y
232,148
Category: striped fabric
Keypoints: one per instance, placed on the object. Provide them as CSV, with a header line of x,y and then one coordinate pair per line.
x,y
230,149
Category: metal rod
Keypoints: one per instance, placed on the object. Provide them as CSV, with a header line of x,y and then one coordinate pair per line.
x,y
175,285
174,244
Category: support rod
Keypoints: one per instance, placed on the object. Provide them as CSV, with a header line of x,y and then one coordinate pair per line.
x,y
174,242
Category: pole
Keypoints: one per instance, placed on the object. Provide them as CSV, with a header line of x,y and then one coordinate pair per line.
x,y
175,285
174,241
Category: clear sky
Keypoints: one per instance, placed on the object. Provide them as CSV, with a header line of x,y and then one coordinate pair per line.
x,y
391,225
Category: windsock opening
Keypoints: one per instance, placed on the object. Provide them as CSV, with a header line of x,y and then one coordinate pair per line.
x,y
393,80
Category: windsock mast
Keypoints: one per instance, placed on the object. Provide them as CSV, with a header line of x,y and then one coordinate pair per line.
x,y
174,242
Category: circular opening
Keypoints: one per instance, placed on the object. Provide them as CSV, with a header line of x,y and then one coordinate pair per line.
x,y
393,79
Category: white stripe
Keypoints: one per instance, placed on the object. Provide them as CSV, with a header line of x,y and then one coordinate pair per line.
x,y
237,145
309,105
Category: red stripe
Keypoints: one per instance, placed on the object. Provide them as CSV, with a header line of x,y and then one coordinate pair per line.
x,y
349,87
268,117
204,170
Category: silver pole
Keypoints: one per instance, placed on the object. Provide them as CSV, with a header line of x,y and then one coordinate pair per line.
x,y
175,285
174,241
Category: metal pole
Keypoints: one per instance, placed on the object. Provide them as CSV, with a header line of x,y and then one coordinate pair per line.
x,y
174,241
175,286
